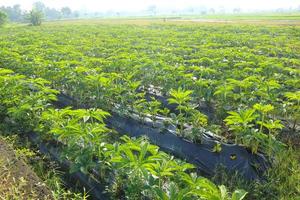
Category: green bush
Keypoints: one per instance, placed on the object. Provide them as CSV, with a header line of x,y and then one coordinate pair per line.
x,y
35,17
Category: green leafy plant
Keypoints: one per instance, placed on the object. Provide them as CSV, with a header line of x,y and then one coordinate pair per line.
x,y
270,125
24,99
149,171
82,131
203,188
187,112
243,124
181,98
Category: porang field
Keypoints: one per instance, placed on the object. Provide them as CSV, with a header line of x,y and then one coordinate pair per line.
x,y
160,108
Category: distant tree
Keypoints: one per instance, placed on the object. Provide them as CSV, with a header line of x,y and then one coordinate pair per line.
x,y
48,13
39,6
66,12
17,12
52,14
14,13
3,18
35,17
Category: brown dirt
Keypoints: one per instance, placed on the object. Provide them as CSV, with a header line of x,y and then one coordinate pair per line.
x,y
17,180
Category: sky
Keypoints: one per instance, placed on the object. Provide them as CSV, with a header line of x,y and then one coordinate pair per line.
x,y
138,5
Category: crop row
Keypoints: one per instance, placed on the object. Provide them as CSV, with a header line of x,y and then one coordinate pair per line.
x,y
132,168
207,157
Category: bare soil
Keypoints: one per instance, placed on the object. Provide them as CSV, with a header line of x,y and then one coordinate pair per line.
x,y
17,180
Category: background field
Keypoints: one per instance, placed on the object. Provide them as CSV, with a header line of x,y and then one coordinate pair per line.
x,y
237,76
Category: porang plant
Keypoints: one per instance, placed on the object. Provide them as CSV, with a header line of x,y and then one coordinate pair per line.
x,y
81,131
253,128
187,113
150,172
139,169
23,99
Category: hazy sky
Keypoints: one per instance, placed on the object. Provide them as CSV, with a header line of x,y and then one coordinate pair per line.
x,y
136,5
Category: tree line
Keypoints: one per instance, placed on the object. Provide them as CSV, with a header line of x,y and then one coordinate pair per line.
x,y
39,11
